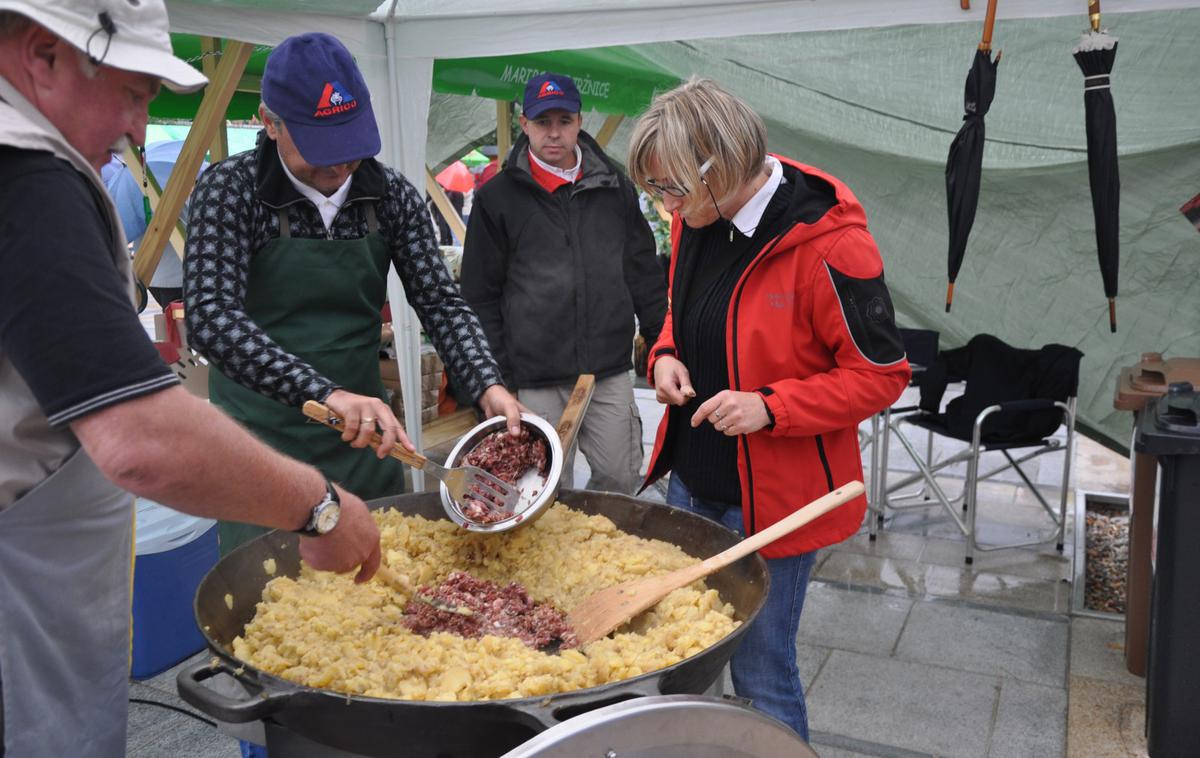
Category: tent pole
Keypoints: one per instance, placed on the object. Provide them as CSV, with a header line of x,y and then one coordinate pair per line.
x,y
444,206
154,193
504,113
211,47
609,129
209,115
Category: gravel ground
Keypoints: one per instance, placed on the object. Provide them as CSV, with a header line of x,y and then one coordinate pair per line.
x,y
1107,559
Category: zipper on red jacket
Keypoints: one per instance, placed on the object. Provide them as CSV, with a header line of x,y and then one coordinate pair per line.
x,y
736,301
824,462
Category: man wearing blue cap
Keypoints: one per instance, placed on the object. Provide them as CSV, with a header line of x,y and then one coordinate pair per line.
x,y
285,274
557,261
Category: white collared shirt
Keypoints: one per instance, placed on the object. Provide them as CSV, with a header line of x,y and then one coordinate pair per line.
x,y
747,219
326,206
569,174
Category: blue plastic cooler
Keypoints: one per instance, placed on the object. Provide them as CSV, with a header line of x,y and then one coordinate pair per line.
x,y
174,552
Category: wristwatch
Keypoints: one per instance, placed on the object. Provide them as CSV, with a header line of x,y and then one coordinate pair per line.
x,y
325,514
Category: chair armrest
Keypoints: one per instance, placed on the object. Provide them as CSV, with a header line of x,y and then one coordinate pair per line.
x,y
1038,404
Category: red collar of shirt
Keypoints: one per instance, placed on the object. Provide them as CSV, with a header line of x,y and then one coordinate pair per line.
x,y
549,181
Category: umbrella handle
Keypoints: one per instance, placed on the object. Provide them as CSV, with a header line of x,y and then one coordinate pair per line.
x,y
1094,14
949,295
989,21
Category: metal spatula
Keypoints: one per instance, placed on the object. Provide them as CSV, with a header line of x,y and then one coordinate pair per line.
x,y
463,482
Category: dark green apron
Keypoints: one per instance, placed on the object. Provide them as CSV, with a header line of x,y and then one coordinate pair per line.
x,y
319,299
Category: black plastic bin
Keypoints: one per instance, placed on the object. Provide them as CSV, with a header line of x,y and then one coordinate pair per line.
x,y
1170,430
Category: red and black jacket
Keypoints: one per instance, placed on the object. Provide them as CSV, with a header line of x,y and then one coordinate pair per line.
x,y
810,327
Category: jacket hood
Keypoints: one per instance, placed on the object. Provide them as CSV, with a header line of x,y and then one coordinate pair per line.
x,y
827,207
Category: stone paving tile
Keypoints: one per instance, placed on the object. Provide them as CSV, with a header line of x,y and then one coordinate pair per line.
x,y
1031,721
921,580
888,544
156,732
809,659
989,642
912,706
848,620
1098,651
1105,720
1042,562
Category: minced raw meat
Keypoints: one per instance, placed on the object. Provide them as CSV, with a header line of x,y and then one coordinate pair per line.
x,y
508,457
475,607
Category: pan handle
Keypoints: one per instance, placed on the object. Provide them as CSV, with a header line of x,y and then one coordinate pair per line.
x,y
551,711
254,707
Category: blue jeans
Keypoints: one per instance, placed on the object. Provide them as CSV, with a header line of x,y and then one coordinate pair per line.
x,y
764,666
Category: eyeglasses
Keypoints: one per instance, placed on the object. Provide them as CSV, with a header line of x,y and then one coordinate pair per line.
x,y
672,190
666,189
108,28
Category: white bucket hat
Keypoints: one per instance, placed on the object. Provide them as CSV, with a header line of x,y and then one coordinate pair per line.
x,y
132,35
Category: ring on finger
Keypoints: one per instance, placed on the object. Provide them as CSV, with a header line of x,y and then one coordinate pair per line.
x,y
718,414
721,427
368,419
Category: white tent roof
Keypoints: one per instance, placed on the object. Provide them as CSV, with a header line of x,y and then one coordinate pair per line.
x,y
877,107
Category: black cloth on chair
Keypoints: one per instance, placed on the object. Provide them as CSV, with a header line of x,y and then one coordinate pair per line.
x,y
996,372
920,346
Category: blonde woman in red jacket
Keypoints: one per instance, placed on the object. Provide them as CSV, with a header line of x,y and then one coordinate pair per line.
x,y
779,339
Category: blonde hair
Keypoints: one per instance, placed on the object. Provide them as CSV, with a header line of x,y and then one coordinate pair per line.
x,y
693,123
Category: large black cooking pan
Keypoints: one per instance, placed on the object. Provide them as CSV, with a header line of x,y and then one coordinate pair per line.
x,y
379,727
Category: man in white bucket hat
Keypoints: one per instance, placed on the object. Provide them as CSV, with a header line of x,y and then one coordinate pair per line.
x,y
88,410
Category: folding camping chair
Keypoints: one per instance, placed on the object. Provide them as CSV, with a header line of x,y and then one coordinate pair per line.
x,y
921,349
1013,400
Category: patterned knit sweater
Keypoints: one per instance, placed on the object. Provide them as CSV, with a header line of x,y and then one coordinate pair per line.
x,y
235,213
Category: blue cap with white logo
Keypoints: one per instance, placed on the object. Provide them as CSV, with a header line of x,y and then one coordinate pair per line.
x,y
548,91
312,82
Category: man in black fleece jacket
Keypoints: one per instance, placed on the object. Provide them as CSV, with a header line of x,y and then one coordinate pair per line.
x,y
558,259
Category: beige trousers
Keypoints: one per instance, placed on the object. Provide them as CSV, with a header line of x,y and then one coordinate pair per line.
x,y
610,438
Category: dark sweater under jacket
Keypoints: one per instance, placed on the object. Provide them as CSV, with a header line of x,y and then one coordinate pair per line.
x,y
556,278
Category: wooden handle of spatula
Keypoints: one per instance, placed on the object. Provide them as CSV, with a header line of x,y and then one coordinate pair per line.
x,y
321,413
810,512
572,415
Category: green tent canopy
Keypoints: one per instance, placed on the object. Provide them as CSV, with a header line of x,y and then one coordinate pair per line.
x,y
169,106
610,79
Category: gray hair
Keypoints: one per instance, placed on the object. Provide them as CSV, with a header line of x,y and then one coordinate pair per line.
x,y
271,115
691,124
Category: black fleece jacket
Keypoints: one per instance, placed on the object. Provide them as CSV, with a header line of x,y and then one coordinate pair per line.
x,y
556,278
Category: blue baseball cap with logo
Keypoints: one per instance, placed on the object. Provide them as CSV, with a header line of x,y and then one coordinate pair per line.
x,y
548,91
312,82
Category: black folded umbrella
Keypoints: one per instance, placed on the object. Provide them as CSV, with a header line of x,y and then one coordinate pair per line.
x,y
1095,55
964,165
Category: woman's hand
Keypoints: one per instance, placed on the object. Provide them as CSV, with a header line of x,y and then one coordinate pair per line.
x,y
498,401
672,382
362,415
733,413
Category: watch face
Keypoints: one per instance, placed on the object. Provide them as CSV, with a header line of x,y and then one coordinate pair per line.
x,y
327,517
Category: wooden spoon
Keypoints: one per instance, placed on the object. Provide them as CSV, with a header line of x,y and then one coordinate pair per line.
x,y
604,611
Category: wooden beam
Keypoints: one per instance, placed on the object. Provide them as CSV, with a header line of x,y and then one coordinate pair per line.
x,y
210,46
444,206
209,117
609,129
504,113
154,192
250,83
